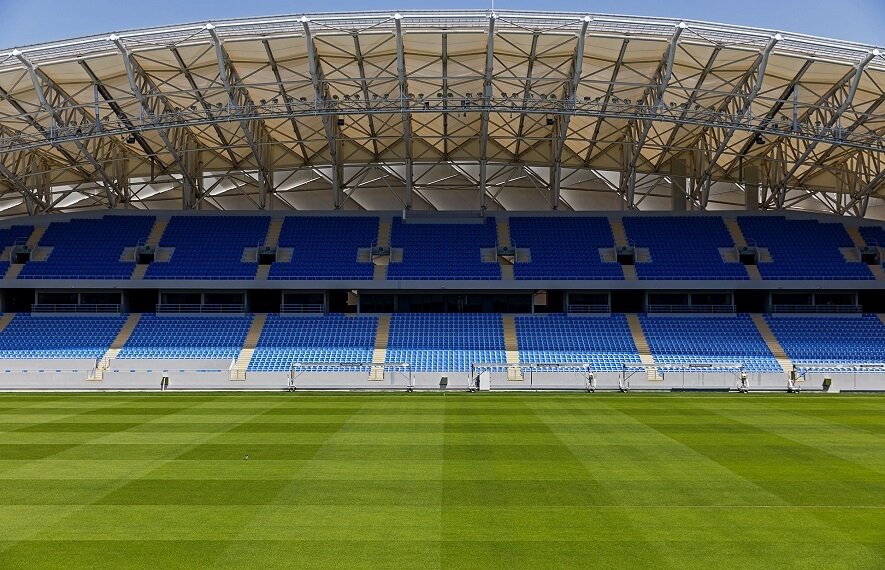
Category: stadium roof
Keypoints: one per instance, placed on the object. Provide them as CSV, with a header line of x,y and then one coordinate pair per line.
x,y
422,110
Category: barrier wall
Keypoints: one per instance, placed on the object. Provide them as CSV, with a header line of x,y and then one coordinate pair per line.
x,y
126,374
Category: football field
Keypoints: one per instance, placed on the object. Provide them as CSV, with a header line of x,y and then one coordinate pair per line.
x,y
441,481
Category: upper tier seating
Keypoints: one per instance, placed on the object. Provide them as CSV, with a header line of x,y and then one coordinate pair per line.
x,y
604,342
445,342
802,249
160,336
683,247
708,340
835,340
325,247
331,338
89,248
12,236
563,248
443,251
29,336
210,247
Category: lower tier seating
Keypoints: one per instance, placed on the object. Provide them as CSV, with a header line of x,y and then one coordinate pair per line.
x,y
603,342
445,342
708,340
28,336
160,336
331,338
833,340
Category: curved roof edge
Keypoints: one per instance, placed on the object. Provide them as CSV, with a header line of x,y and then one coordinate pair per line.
x,y
808,45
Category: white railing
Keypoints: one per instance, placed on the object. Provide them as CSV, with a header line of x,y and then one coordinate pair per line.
x,y
75,308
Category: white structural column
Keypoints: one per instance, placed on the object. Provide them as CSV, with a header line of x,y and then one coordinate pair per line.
x,y
563,122
484,124
654,99
723,144
405,103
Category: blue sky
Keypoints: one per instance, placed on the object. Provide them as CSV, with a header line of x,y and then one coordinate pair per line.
x,y
24,22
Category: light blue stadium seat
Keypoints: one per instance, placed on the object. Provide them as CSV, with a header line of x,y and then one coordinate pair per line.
x,y
708,340
603,342
432,342
187,337
28,336
330,338
833,340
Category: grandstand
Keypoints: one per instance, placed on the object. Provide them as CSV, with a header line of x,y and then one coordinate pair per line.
x,y
331,196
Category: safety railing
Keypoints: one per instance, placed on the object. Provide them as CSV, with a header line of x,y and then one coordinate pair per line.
x,y
75,308
838,309
700,309
231,308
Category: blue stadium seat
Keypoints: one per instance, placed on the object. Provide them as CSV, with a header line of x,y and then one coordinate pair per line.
x,y
604,342
330,338
802,249
28,336
834,340
161,336
708,340
445,342
443,251
89,248
210,247
564,248
325,247
683,247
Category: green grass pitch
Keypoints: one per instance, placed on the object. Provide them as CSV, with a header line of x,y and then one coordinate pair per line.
x,y
441,481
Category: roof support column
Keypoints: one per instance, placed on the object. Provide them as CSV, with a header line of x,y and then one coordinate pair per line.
x,y
563,122
189,186
241,103
653,98
678,184
829,124
707,181
486,103
319,90
405,111
112,191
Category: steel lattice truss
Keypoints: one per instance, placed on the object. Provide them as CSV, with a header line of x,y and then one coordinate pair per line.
x,y
448,111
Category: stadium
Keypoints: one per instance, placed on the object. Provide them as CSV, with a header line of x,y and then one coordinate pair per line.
x,y
450,289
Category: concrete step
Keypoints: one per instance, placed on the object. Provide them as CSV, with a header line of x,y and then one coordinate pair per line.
x,y
238,371
773,344
36,235
734,229
503,227
511,349
877,272
379,351
263,272
157,231
645,356
379,273
273,233
629,272
5,320
383,234
506,272
856,237
618,231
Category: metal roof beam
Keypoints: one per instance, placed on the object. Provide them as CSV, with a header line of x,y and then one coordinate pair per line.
x,y
654,96
846,103
404,102
707,180
364,88
484,117
149,113
285,95
605,100
563,122
38,79
530,66
320,99
236,91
